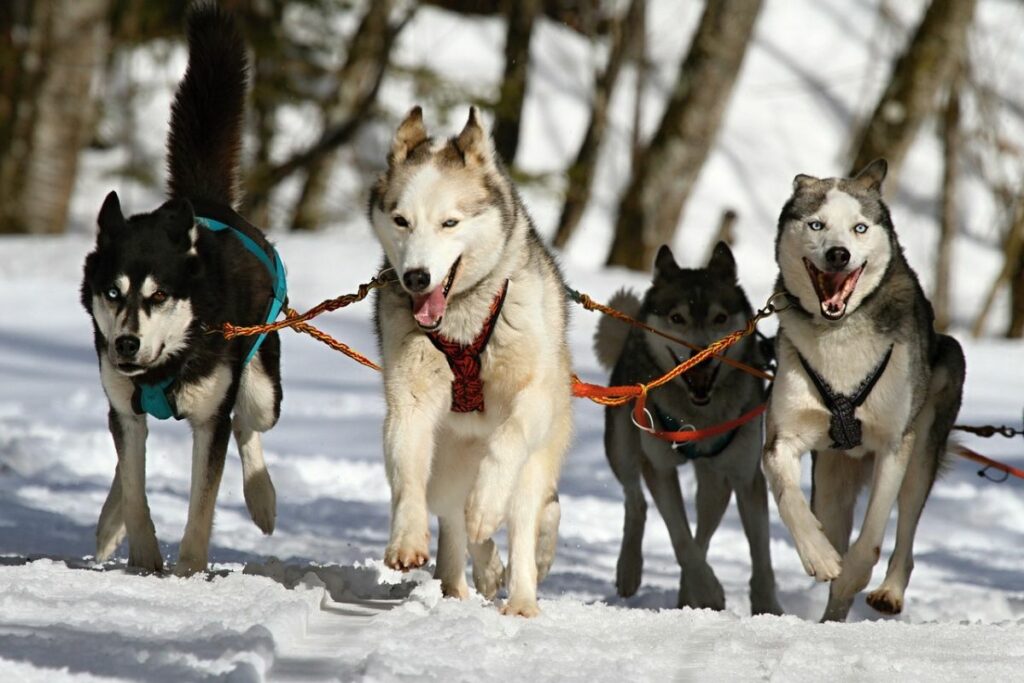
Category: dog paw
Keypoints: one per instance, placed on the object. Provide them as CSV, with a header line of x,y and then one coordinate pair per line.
x,y
885,601
261,499
409,551
145,556
458,590
765,604
628,572
700,588
819,558
483,517
489,579
520,608
187,566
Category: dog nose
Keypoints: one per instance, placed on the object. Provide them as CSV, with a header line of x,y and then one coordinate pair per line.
x,y
127,345
837,257
417,279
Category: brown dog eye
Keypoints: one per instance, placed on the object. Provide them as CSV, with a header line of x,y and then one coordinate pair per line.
x,y
159,296
677,319
721,318
400,221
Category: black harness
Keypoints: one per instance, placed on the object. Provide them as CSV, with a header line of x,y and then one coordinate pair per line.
x,y
845,428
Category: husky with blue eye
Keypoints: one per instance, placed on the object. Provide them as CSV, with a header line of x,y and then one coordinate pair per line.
x,y
864,383
158,285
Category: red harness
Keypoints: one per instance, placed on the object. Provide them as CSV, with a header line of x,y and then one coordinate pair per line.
x,y
467,387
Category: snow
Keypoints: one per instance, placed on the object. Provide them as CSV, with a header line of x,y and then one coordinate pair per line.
x,y
314,602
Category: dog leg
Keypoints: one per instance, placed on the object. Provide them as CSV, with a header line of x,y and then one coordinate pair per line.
x,y
752,501
838,479
488,573
622,447
782,468
858,562
451,556
523,529
130,432
489,497
408,453
110,530
713,494
547,539
260,497
209,448
698,586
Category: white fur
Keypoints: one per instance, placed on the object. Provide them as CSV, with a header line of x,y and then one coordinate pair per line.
x,y
164,331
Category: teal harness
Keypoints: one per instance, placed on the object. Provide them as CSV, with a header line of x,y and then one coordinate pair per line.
x,y
688,450
156,399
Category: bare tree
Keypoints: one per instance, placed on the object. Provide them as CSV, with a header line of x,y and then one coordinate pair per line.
x,y
358,79
653,203
521,15
624,32
53,50
918,78
947,214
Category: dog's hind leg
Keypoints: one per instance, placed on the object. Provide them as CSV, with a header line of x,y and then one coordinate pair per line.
x,y
547,538
209,447
698,586
256,410
622,447
713,494
752,501
451,555
111,530
130,432
837,479
488,573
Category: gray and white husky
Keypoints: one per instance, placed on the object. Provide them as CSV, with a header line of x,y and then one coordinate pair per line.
x,y
155,285
476,366
699,306
864,383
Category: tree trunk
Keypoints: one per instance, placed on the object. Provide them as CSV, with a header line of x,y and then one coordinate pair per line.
x,y
358,79
1013,251
509,110
918,77
948,217
643,68
652,205
1015,259
51,74
581,173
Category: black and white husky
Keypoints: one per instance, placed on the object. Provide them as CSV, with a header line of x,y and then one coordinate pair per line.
x,y
864,383
698,305
158,283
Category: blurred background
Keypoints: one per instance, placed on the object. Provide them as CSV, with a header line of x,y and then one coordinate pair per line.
x,y
629,123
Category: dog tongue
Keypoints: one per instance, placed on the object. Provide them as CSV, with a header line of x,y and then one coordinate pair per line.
x,y
429,309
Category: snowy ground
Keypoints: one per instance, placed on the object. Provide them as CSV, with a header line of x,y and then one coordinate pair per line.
x,y
314,602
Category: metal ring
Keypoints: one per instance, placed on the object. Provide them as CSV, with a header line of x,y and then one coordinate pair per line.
x,y
771,302
650,421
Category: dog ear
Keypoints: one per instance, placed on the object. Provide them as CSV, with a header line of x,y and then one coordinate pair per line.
x,y
722,262
110,218
664,262
473,142
803,181
872,175
411,132
179,219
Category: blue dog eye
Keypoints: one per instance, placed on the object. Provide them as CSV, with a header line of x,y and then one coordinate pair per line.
x,y
113,293
860,228
815,225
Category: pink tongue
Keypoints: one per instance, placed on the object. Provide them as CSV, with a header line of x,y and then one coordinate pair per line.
x,y
428,309
834,283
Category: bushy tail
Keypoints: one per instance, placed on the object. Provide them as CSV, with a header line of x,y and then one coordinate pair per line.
x,y
206,118
611,334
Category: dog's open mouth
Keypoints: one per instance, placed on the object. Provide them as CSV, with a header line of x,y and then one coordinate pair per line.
x,y
428,310
833,289
700,379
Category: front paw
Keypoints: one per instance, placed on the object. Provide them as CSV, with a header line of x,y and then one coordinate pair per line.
x,y
520,608
886,601
485,511
145,556
700,588
819,558
408,551
187,566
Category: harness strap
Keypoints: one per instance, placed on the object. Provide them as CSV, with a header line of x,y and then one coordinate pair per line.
x,y
688,450
643,419
465,360
844,427
157,399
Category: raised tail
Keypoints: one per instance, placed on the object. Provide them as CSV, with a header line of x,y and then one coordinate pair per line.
x,y
205,141
610,338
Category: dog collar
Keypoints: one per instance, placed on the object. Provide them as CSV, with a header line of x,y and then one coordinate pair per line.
x,y
688,450
844,427
465,362
157,399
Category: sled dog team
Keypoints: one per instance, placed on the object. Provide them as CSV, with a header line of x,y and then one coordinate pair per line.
x,y
477,373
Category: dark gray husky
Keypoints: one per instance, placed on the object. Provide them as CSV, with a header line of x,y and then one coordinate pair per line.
x,y
157,283
699,306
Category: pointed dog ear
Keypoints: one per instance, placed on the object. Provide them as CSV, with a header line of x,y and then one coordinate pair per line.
x,y
803,181
411,132
872,175
110,217
722,262
473,142
664,262
179,219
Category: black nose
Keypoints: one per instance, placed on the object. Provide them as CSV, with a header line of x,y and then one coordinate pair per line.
x,y
838,257
127,345
416,280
